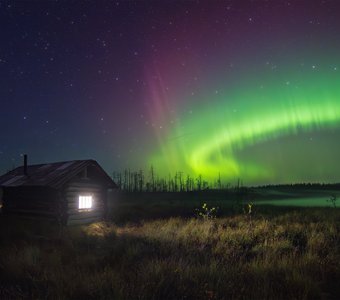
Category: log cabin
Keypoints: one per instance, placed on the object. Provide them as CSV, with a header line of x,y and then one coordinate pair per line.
x,y
71,192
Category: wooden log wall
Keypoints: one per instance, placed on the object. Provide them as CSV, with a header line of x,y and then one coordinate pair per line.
x,y
84,216
31,201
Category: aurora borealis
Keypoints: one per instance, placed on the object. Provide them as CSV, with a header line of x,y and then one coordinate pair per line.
x,y
243,89
259,116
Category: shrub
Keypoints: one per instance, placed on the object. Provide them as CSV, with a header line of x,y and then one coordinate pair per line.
x,y
206,213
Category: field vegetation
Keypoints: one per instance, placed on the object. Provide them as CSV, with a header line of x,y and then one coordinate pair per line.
x,y
268,253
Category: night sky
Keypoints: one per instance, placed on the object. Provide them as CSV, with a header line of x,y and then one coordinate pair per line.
x,y
244,89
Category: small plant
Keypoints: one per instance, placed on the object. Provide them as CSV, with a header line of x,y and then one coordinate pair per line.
x,y
332,200
249,212
206,213
248,209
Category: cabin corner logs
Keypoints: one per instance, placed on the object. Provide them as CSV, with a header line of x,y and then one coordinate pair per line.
x,y
54,191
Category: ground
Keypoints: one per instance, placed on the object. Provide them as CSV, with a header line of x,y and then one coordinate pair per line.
x,y
273,253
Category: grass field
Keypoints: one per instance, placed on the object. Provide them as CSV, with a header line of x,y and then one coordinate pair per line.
x,y
277,253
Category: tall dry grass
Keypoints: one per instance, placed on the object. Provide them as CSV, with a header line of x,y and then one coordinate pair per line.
x,y
294,255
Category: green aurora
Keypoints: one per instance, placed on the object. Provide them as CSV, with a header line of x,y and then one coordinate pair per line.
x,y
233,132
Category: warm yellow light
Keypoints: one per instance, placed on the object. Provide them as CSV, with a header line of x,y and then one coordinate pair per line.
x,y
85,202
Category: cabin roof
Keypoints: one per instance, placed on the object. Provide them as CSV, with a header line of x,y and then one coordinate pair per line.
x,y
53,175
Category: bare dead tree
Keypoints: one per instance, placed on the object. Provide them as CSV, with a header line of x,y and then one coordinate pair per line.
x,y
136,181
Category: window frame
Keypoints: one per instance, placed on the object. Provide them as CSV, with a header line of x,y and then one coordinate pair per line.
x,y
85,202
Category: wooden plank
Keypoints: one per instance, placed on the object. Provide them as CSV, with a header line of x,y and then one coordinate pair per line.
x,y
95,205
84,182
30,200
31,211
83,189
71,211
83,221
83,185
31,207
33,202
76,195
85,214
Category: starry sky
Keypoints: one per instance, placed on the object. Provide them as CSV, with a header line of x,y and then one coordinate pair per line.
x,y
244,89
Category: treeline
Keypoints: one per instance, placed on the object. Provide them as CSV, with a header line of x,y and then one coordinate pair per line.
x,y
311,186
150,181
140,181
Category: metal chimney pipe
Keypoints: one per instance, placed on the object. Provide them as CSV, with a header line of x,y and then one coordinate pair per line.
x,y
25,164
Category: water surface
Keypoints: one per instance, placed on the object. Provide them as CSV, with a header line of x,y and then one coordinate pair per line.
x,y
300,202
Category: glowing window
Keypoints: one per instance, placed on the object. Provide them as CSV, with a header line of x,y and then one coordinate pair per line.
x,y
85,202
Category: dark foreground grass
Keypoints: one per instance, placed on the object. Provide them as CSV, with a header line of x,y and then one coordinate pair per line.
x,y
294,255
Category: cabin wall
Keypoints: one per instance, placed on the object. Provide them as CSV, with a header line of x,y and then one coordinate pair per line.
x,y
84,187
34,201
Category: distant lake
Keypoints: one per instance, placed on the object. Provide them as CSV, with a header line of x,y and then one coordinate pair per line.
x,y
300,202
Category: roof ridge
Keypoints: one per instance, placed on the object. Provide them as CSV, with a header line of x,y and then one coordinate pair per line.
x,y
53,163
52,174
